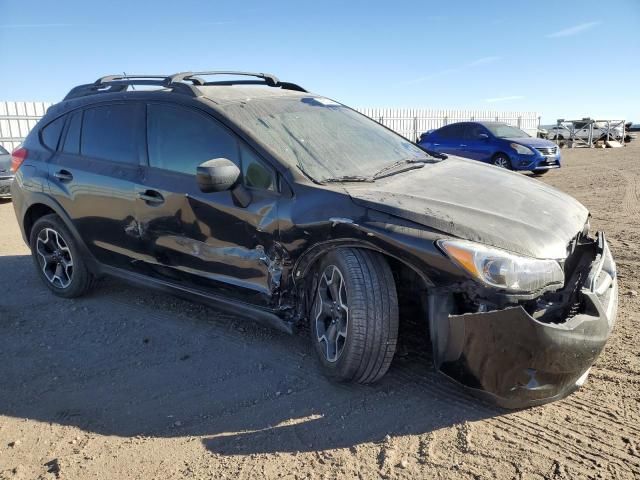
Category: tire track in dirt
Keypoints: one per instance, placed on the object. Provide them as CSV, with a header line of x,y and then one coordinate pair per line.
x,y
407,378
540,432
631,197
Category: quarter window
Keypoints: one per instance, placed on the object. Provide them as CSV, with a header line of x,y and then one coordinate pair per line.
x,y
180,139
112,132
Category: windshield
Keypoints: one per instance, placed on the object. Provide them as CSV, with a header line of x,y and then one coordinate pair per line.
x,y
506,131
3,151
325,139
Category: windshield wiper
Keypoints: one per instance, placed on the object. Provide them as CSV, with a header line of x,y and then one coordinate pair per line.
x,y
401,166
348,178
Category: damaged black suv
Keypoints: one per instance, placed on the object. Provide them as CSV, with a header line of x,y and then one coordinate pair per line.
x,y
259,197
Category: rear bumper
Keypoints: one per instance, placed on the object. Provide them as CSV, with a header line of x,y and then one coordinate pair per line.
x,y
518,361
5,186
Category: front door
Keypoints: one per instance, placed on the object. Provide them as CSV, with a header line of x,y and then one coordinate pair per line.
x,y
476,146
221,242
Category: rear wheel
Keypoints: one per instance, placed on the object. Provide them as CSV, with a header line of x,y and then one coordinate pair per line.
x,y
502,161
57,258
354,315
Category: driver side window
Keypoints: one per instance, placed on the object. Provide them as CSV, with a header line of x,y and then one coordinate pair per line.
x,y
179,139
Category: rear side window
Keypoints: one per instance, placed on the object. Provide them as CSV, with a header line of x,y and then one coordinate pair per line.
x,y
50,134
455,131
113,132
179,139
72,139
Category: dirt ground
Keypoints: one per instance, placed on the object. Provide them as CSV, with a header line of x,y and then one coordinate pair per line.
x,y
130,384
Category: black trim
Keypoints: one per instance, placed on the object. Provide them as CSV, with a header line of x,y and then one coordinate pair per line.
x,y
262,315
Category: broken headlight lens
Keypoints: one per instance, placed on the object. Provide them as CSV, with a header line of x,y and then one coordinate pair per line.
x,y
501,269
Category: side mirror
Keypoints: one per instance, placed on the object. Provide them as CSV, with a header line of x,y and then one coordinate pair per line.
x,y
483,136
217,175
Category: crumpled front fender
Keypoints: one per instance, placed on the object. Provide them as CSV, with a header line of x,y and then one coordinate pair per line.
x,y
516,360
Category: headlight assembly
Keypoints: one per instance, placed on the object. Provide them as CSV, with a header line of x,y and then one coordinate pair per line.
x,y
521,149
501,269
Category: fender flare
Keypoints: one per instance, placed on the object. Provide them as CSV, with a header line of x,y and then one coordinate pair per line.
x,y
304,263
37,198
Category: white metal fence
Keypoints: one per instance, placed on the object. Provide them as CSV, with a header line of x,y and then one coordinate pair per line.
x,y
411,122
18,118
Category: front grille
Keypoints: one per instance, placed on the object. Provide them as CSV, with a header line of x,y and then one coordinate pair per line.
x,y
5,190
547,150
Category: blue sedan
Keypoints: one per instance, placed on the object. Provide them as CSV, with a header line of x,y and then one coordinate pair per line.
x,y
496,143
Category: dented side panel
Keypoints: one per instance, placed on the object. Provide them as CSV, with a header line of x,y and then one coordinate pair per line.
x,y
209,241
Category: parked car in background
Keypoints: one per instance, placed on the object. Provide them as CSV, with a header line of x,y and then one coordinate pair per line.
x,y
6,174
581,131
289,207
494,142
542,132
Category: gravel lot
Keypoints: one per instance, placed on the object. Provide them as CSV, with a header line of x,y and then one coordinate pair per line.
x,y
131,384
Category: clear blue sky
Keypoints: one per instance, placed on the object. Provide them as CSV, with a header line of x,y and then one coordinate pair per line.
x,y
561,58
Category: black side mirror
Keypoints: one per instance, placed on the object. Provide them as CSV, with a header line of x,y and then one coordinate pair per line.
x,y
483,136
217,175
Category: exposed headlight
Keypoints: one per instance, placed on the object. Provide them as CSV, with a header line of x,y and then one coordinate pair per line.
x,y
521,149
501,269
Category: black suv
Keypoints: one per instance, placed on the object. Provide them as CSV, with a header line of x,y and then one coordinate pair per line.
x,y
256,196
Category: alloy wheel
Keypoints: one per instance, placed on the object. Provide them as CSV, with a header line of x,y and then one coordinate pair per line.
x,y
331,313
54,257
501,162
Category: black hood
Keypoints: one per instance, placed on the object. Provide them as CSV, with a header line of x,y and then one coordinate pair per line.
x,y
481,203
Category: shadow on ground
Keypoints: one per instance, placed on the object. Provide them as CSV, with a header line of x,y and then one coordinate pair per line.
x,y
125,361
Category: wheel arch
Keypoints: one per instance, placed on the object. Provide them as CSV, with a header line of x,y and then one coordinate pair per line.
x,y
410,282
42,205
305,263
500,152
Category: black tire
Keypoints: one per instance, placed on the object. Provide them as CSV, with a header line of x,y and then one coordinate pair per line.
x,y
74,279
369,293
501,160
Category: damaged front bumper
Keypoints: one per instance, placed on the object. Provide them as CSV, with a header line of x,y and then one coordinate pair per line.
x,y
516,356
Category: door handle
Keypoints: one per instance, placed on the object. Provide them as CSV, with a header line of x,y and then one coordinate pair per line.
x,y
151,197
463,145
63,175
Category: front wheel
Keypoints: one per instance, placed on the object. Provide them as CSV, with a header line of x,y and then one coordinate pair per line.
x,y
354,315
58,259
502,161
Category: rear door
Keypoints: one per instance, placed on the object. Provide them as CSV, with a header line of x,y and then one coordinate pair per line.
x,y
209,241
449,138
93,175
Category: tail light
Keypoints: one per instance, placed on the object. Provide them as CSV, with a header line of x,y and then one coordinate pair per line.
x,y
18,156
